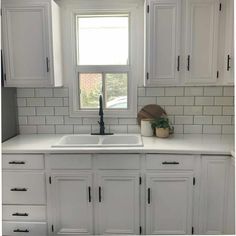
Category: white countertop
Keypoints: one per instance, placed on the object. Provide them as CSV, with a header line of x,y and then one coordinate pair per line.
x,y
183,143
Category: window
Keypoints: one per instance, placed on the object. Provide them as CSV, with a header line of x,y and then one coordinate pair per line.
x,y
103,49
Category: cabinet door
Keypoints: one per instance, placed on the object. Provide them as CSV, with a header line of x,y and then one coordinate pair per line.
x,y
169,203
26,40
163,41
213,194
201,41
72,203
118,203
229,42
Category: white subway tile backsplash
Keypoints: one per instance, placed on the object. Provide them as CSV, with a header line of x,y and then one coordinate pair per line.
x,y
227,101
174,110
36,120
28,129
201,120
25,92
193,91
62,111
222,120
205,101
82,129
212,110
228,110
228,91
181,120
73,120
155,92
22,120
190,109
213,91
64,129
142,101
192,129
26,111
212,129
174,91
43,92
35,102
47,111
165,101
193,110
186,101
53,120
21,102
46,129
54,102
61,92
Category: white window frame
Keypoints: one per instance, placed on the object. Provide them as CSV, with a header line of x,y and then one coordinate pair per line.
x,y
91,7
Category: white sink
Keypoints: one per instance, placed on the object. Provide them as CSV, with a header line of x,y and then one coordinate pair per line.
x,y
116,140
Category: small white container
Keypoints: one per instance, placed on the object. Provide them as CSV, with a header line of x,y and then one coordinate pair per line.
x,y
146,128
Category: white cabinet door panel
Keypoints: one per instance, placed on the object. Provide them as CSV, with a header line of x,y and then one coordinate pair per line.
x,y
213,198
72,203
201,40
25,34
169,203
118,205
163,41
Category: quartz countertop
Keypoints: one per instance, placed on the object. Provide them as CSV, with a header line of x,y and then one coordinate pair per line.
x,y
177,143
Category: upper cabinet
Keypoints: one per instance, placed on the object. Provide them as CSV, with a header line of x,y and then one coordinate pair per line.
x,y
31,43
163,41
182,42
201,40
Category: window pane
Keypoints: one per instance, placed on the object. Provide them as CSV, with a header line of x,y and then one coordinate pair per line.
x,y
102,40
90,89
116,91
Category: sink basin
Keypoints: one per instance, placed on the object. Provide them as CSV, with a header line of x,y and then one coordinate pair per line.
x,y
117,140
122,140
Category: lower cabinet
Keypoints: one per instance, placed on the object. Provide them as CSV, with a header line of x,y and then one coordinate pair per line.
x,y
118,203
214,180
72,203
169,203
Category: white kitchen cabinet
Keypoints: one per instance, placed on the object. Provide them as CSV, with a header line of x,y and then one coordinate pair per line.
x,y
31,43
72,203
118,203
212,215
163,42
169,203
229,42
201,21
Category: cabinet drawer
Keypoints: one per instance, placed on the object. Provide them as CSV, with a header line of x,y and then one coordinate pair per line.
x,y
23,161
30,228
23,188
24,213
70,161
169,162
117,161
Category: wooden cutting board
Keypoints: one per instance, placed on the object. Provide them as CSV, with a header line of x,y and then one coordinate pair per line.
x,y
151,111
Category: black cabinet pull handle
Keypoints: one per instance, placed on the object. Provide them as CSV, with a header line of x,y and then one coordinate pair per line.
x,y
178,63
89,193
149,195
170,163
228,62
47,64
16,162
188,63
21,231
20,214
19,189
100,194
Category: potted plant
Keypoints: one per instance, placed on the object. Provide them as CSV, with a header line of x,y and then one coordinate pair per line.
x,y
162,127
